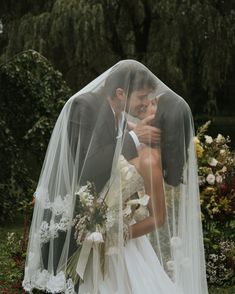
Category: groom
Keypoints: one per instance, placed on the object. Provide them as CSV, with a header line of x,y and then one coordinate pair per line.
x,y
97,120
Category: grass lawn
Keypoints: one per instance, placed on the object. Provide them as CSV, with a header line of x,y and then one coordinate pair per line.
x,y
11,275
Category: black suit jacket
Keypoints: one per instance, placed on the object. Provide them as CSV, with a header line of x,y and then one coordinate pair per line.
x,y
92,125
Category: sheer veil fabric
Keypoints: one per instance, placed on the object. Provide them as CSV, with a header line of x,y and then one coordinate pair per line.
x,y
89,164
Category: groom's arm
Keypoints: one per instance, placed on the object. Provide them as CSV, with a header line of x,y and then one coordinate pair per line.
x,y
142,132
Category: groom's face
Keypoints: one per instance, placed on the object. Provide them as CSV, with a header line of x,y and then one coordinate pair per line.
x,y
138,101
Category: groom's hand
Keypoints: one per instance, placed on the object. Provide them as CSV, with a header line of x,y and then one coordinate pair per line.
x,y
146,133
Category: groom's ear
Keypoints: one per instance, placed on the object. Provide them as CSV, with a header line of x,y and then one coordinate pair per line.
x,y
120,94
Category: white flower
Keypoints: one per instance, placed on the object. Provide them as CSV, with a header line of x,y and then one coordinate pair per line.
x,y
209,139
210,179
84,195
219,179
82,190
224,169
222,151
176,242
219,138
95,237
212,162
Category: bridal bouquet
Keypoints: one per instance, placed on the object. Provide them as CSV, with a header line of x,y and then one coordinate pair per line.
x,y
89,225
91,215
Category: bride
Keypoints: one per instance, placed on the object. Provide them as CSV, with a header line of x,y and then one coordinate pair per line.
x,y
117,207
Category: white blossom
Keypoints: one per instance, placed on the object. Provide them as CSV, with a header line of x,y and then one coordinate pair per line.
x,y
212,162
222,151
224,169
84,195
210,179
208,139
219,138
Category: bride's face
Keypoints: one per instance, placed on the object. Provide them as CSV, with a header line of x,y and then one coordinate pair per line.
x,y
149,110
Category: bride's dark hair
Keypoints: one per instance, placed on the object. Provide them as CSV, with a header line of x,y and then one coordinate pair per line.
x,y
173,117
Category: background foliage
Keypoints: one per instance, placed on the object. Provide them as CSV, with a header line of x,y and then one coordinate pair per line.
x,y
32,94
189,44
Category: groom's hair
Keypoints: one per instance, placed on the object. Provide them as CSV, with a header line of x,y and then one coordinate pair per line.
x,y
130,76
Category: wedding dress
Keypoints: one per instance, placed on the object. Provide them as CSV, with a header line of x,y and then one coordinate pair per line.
x,y
143,272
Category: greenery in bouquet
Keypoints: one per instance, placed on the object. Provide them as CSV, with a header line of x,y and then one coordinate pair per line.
x,y
216,172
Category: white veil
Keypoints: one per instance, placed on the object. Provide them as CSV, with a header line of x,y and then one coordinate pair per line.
x,y
86,163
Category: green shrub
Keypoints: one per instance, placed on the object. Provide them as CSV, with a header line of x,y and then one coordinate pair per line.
x,y
32,94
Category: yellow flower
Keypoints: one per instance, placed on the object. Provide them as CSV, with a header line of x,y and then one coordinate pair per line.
x,y
199,150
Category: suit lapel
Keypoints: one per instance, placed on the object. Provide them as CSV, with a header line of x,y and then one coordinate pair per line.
x,y
109,118
105,120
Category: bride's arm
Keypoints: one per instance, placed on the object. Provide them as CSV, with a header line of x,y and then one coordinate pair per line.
x,y
149,166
